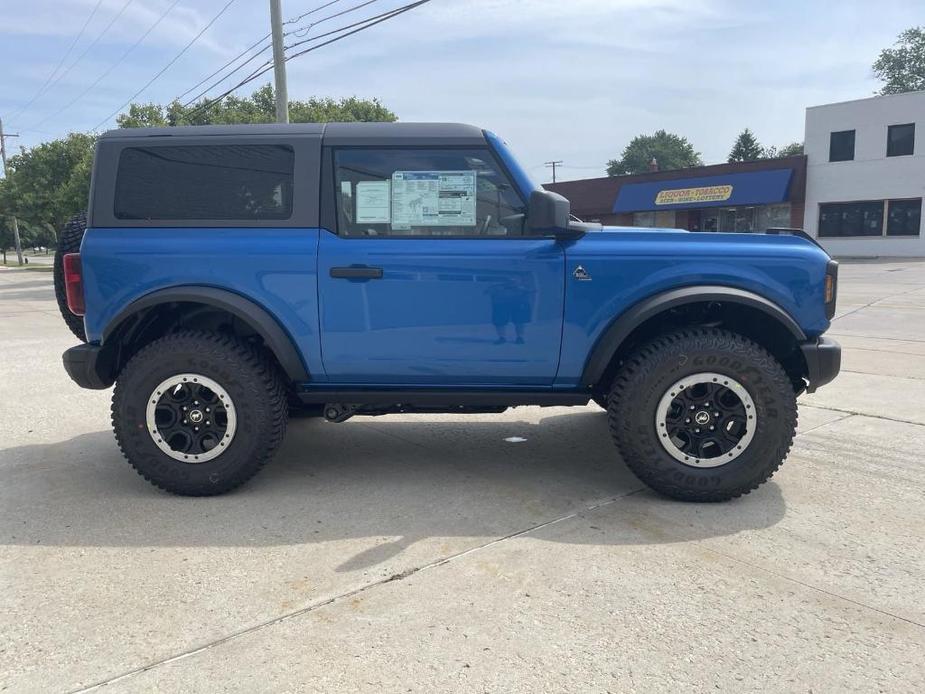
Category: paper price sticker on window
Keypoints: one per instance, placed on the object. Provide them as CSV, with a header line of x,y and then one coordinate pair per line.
x,y
433,198
373,202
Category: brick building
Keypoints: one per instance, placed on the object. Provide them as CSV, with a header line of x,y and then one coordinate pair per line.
x,y
746,196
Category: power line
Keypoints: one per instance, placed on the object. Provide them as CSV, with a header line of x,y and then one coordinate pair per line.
x,y
305,14
113,66
553,164
233,60
169,64
388,15
331,16
368,23
240,67
91,45
66,55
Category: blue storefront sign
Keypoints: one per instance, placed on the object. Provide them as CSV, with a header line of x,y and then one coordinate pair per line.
x,y
730,190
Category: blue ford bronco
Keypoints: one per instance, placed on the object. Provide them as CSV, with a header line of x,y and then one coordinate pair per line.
x,y
225,276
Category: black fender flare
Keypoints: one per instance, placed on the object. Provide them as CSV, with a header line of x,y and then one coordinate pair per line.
x,y
624,324
259,319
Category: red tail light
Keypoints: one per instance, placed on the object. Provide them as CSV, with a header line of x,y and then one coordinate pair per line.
x,y
74,284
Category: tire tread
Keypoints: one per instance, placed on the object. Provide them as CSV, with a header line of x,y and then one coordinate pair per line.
x,y
641,365
222,346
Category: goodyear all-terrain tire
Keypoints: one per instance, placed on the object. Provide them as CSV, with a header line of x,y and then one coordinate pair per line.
x,y
69,242
198,413
702,414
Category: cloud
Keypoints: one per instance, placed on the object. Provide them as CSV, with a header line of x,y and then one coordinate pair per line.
x,y
572,80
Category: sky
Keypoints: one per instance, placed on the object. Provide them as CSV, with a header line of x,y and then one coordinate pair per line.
x,y
570,80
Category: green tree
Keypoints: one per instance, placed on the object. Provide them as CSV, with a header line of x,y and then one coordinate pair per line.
x,y
6,234
746,148
143,116
259,107
48,183
791,150
670,151
902,68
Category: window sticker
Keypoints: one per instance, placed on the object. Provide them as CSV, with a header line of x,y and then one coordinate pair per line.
x,y
373,202
433,198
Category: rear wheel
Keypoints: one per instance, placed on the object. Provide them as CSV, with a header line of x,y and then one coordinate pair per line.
x,y
703,415
69,242
198,413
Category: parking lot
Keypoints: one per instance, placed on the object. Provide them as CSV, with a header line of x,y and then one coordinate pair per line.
x,y
442,552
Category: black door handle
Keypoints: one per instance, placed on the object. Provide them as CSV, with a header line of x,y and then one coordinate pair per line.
x,y
357,272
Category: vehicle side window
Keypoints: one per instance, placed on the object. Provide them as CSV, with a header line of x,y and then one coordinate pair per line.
x,y
205,182
424,192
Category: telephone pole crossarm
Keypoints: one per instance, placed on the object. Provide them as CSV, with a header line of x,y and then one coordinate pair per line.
x,y
553,165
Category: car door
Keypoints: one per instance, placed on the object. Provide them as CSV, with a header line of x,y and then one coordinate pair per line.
x,y
429,278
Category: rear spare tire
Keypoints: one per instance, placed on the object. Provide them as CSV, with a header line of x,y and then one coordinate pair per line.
x,y
69,242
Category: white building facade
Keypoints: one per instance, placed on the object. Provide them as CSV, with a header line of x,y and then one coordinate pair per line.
x,y
865,177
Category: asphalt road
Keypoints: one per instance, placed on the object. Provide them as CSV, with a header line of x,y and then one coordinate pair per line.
x,y
429,553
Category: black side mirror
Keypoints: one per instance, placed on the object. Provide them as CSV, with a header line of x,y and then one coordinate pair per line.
x,y
547,214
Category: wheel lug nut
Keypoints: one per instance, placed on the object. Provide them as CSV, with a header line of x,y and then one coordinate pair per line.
x,y
697,430
687,421
184,421
208,422
712,428
692,407
716,414
195,428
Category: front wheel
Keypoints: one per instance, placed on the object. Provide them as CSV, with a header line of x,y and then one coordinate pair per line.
x,y
703,414
198,413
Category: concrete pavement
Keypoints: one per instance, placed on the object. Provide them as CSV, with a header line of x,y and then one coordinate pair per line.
x,y
427,553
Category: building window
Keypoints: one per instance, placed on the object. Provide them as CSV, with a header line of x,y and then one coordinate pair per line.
x,y
644,219
900,140
851,219
904,217
841,146
773,217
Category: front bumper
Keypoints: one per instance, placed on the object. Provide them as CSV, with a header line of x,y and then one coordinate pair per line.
x,y
823,361
89,366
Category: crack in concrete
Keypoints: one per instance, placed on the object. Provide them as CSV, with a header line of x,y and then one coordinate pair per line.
x,y
874,302
348,594
810,586
861,414
868,373
459,555
824,424
874,337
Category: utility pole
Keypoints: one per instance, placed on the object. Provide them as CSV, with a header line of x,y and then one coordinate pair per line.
x,y
279,63
553,164
5,171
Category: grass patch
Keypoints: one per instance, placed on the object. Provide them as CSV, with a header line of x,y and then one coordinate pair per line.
x,y
29,268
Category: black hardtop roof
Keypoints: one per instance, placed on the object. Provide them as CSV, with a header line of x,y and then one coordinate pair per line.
x,y
334,133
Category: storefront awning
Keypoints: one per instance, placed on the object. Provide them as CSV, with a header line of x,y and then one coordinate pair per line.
x,y
758,188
